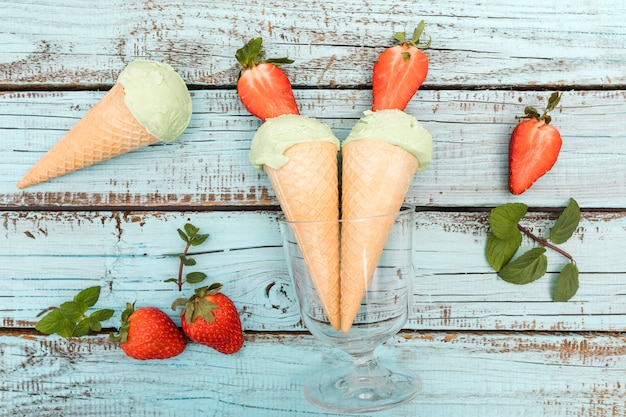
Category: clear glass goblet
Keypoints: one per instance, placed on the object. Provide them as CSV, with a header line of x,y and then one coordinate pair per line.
x,y
363,384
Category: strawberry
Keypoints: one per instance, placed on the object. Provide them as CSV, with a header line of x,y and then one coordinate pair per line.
x,y
263,87
399,71
210,318
148,333
534,147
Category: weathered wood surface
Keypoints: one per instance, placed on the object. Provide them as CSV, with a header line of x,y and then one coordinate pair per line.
x,y
53,255
506,44
209,166
463,374
483,347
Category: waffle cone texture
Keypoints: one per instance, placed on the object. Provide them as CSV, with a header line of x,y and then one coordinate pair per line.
x,y
307,189
108,130
375,179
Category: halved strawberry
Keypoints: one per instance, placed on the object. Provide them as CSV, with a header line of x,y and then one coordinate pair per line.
x,y
534,147
263,88
400,71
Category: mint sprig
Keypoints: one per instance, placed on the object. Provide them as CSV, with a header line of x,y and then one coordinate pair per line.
x,y
506,238
192,237
70,319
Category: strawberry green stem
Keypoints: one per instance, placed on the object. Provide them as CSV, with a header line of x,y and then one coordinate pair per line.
x,y
545,243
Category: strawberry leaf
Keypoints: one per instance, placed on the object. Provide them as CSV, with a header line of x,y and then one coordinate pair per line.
x,y
400,37
190,314
553,101
566,284
179,302
531,112
500,251
566,224
252,53
503,220
529,267
205,308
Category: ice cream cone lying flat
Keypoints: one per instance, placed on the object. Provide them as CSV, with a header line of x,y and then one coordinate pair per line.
x,y
149,103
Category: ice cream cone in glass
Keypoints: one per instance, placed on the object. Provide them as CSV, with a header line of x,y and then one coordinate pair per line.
x,y
361,384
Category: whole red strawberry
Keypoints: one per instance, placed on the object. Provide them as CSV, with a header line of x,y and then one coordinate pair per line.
x,y
210,318
399,71
534,147
263,88
149,333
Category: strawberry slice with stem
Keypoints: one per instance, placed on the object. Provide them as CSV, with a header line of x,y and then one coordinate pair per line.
x,y
534,147
263,87
400,71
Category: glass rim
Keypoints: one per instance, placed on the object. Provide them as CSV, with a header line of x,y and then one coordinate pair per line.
x,y
404,209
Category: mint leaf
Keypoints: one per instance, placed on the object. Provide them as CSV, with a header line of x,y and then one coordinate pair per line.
x,y
187,261
503,220
195,277
69,320
88,296
566,224
566,284
94,324
529,267
81,329
102,315
54,322
192,237
191,230
198,239
500,251
182,235
73,310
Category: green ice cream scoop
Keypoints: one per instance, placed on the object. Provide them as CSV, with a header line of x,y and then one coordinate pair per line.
x,y
397,128
278,134
158,98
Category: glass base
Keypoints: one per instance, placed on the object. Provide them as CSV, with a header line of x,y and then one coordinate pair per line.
x,y
350,389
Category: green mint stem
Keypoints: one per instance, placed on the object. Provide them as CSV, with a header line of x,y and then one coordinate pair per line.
x,y
180,267
544,242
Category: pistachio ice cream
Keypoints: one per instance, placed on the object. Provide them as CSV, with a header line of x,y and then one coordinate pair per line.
x,y
278,134
397,128
158,98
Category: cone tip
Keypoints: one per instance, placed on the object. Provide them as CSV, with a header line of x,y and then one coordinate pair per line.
x,y
23,183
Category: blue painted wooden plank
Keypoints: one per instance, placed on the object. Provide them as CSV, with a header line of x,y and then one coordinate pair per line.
x,y
53,255
463,374
474,44
209,166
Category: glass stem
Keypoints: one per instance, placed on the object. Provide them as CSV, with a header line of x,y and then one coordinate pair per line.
x,y
365,360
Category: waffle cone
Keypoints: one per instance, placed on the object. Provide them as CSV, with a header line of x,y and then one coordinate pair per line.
x,y
107,130
307,189
375,179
